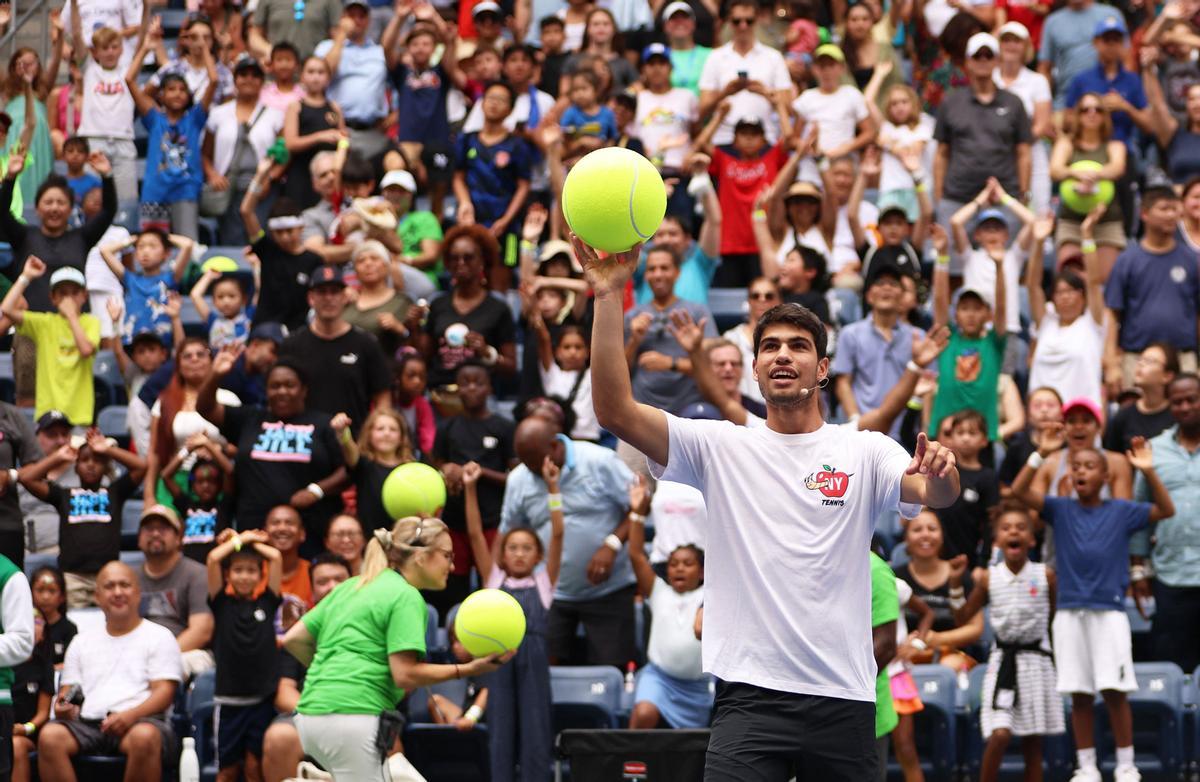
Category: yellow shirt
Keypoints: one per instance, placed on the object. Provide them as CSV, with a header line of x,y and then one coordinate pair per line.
x,y
64,378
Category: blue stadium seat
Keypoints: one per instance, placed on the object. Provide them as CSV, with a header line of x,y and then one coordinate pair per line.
x,y
1158,717
113,421
1192,706
131,518
35,561
431,631
135,559
728,307
442,752
1057,754
110,386
585,696
172,20
935,726
200,708
29,413
6,365
899,555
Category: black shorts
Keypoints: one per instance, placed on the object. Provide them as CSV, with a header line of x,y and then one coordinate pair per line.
x,y
6,742
438,160
240,730
607,625
93,741
761,735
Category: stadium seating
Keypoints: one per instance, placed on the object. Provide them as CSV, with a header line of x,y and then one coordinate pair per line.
x,y
131,516
113,422
728,307
1158,720
443,752
1057,757
935,726
200,708
585,696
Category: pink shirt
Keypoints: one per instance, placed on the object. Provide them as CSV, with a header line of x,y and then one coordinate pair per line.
x,y
271,96
497,579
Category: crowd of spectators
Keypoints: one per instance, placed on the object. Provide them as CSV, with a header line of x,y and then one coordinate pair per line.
x,y
322,239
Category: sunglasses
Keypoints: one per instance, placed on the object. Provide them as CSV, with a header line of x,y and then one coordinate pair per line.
x,y
1091,110
741,22
298,10
984,54
763,296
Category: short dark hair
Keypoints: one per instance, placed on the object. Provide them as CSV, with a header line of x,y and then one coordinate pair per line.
x,y
474,363
970,417
682,219
742,4
589,76
326,558
78,143
1183,377
286,363
248,552
285,207
1170,355
1152,195
285,47
551,21
357,170
794,315
519,48
53,182
512,94
156,232
676,260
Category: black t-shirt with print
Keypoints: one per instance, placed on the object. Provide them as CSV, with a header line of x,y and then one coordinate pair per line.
x,y
276,459
283,297
201,523
965,523
492,319
58,637
30,679
89,524
488,441
343,373
244,645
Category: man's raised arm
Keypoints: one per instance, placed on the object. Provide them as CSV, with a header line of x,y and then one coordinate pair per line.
x,y
642,426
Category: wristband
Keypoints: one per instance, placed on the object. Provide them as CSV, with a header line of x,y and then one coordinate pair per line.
x,y
918,644
315,490
759,215
613,542
1035,460
474,713
1087,246
636,518
12,477
490,356
1137,573
343,144
823,164
920,187
555,501
528,246
30,728
456,673
255,188
1007,200
237,542
918,178
913,366
25,278
183,453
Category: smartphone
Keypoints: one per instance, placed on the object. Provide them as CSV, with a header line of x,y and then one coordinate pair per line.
x,y
743,75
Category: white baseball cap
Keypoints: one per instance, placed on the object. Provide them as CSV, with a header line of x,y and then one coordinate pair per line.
x,y
982,41
485,7
676,7
67,274
399,178
1013,28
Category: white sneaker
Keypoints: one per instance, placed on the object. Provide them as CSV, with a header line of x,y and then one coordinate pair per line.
x,y
1086,775
1127,774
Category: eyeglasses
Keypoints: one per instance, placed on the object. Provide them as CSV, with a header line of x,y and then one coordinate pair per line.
x,y
763,296
1091,109
984,54
741,21
298,10
1149,361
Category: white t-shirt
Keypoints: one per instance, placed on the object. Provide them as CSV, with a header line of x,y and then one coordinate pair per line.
x,y
114,14
665,120
107,104
893,175
673,645
761,64
836,115
1030,86
811,238
559,382
115,671
745,343
844,251
904,592
223,126
99,277
1067,358
979,272
679,517
938,14
787,576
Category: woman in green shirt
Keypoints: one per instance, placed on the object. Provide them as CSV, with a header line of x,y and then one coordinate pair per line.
x,y
363,646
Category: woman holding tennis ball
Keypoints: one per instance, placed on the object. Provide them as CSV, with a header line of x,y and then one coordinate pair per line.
x,y
363,646
519,696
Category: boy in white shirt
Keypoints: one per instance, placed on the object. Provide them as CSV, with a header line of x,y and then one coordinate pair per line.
x,y
838,110
107,115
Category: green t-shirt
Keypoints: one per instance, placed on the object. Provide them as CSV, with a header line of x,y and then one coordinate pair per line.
x,y
356,629
885,607
64,376
415,227
969,379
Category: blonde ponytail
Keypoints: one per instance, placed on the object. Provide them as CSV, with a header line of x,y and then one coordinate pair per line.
x,y
393,548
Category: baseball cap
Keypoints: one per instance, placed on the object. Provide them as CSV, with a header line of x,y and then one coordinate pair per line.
x,y
750,121
885,269
1086,404
348,3
161,512
1013,28
982,41
326,275
894,201
398,178
67,274
973,292
701,411
678,7
1113,23
275,332
990,214
53,418
656,50
830,50
555,248
803,190
487,6
250,64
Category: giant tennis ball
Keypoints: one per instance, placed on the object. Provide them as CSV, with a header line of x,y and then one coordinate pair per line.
x,y
489,621
614,198
414,489
1083,202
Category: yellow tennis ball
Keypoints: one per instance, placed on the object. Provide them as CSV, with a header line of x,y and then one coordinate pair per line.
x,y
614,198
220,263
414,489
490,621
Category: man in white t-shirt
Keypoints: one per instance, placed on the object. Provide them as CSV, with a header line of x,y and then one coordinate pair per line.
x,y
838,111
750,74
791,507
126,674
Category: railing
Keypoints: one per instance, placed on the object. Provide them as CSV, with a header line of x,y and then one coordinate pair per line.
x,y
24,12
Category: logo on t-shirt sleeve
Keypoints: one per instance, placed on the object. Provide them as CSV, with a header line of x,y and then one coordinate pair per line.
x,y
830,482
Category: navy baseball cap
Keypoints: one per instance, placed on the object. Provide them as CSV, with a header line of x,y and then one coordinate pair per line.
x,y
656,50
990,214
326,275
1113,23
53,418
272,331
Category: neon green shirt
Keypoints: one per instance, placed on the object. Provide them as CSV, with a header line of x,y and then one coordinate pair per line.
x,y
885,607
64,377
356,629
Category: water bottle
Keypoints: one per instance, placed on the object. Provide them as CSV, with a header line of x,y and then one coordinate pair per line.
x,y
629,671
189,763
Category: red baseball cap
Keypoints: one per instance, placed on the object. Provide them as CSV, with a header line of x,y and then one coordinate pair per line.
x,y
1087,404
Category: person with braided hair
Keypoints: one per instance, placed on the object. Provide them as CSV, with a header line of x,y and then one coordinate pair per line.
x,y
363,646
